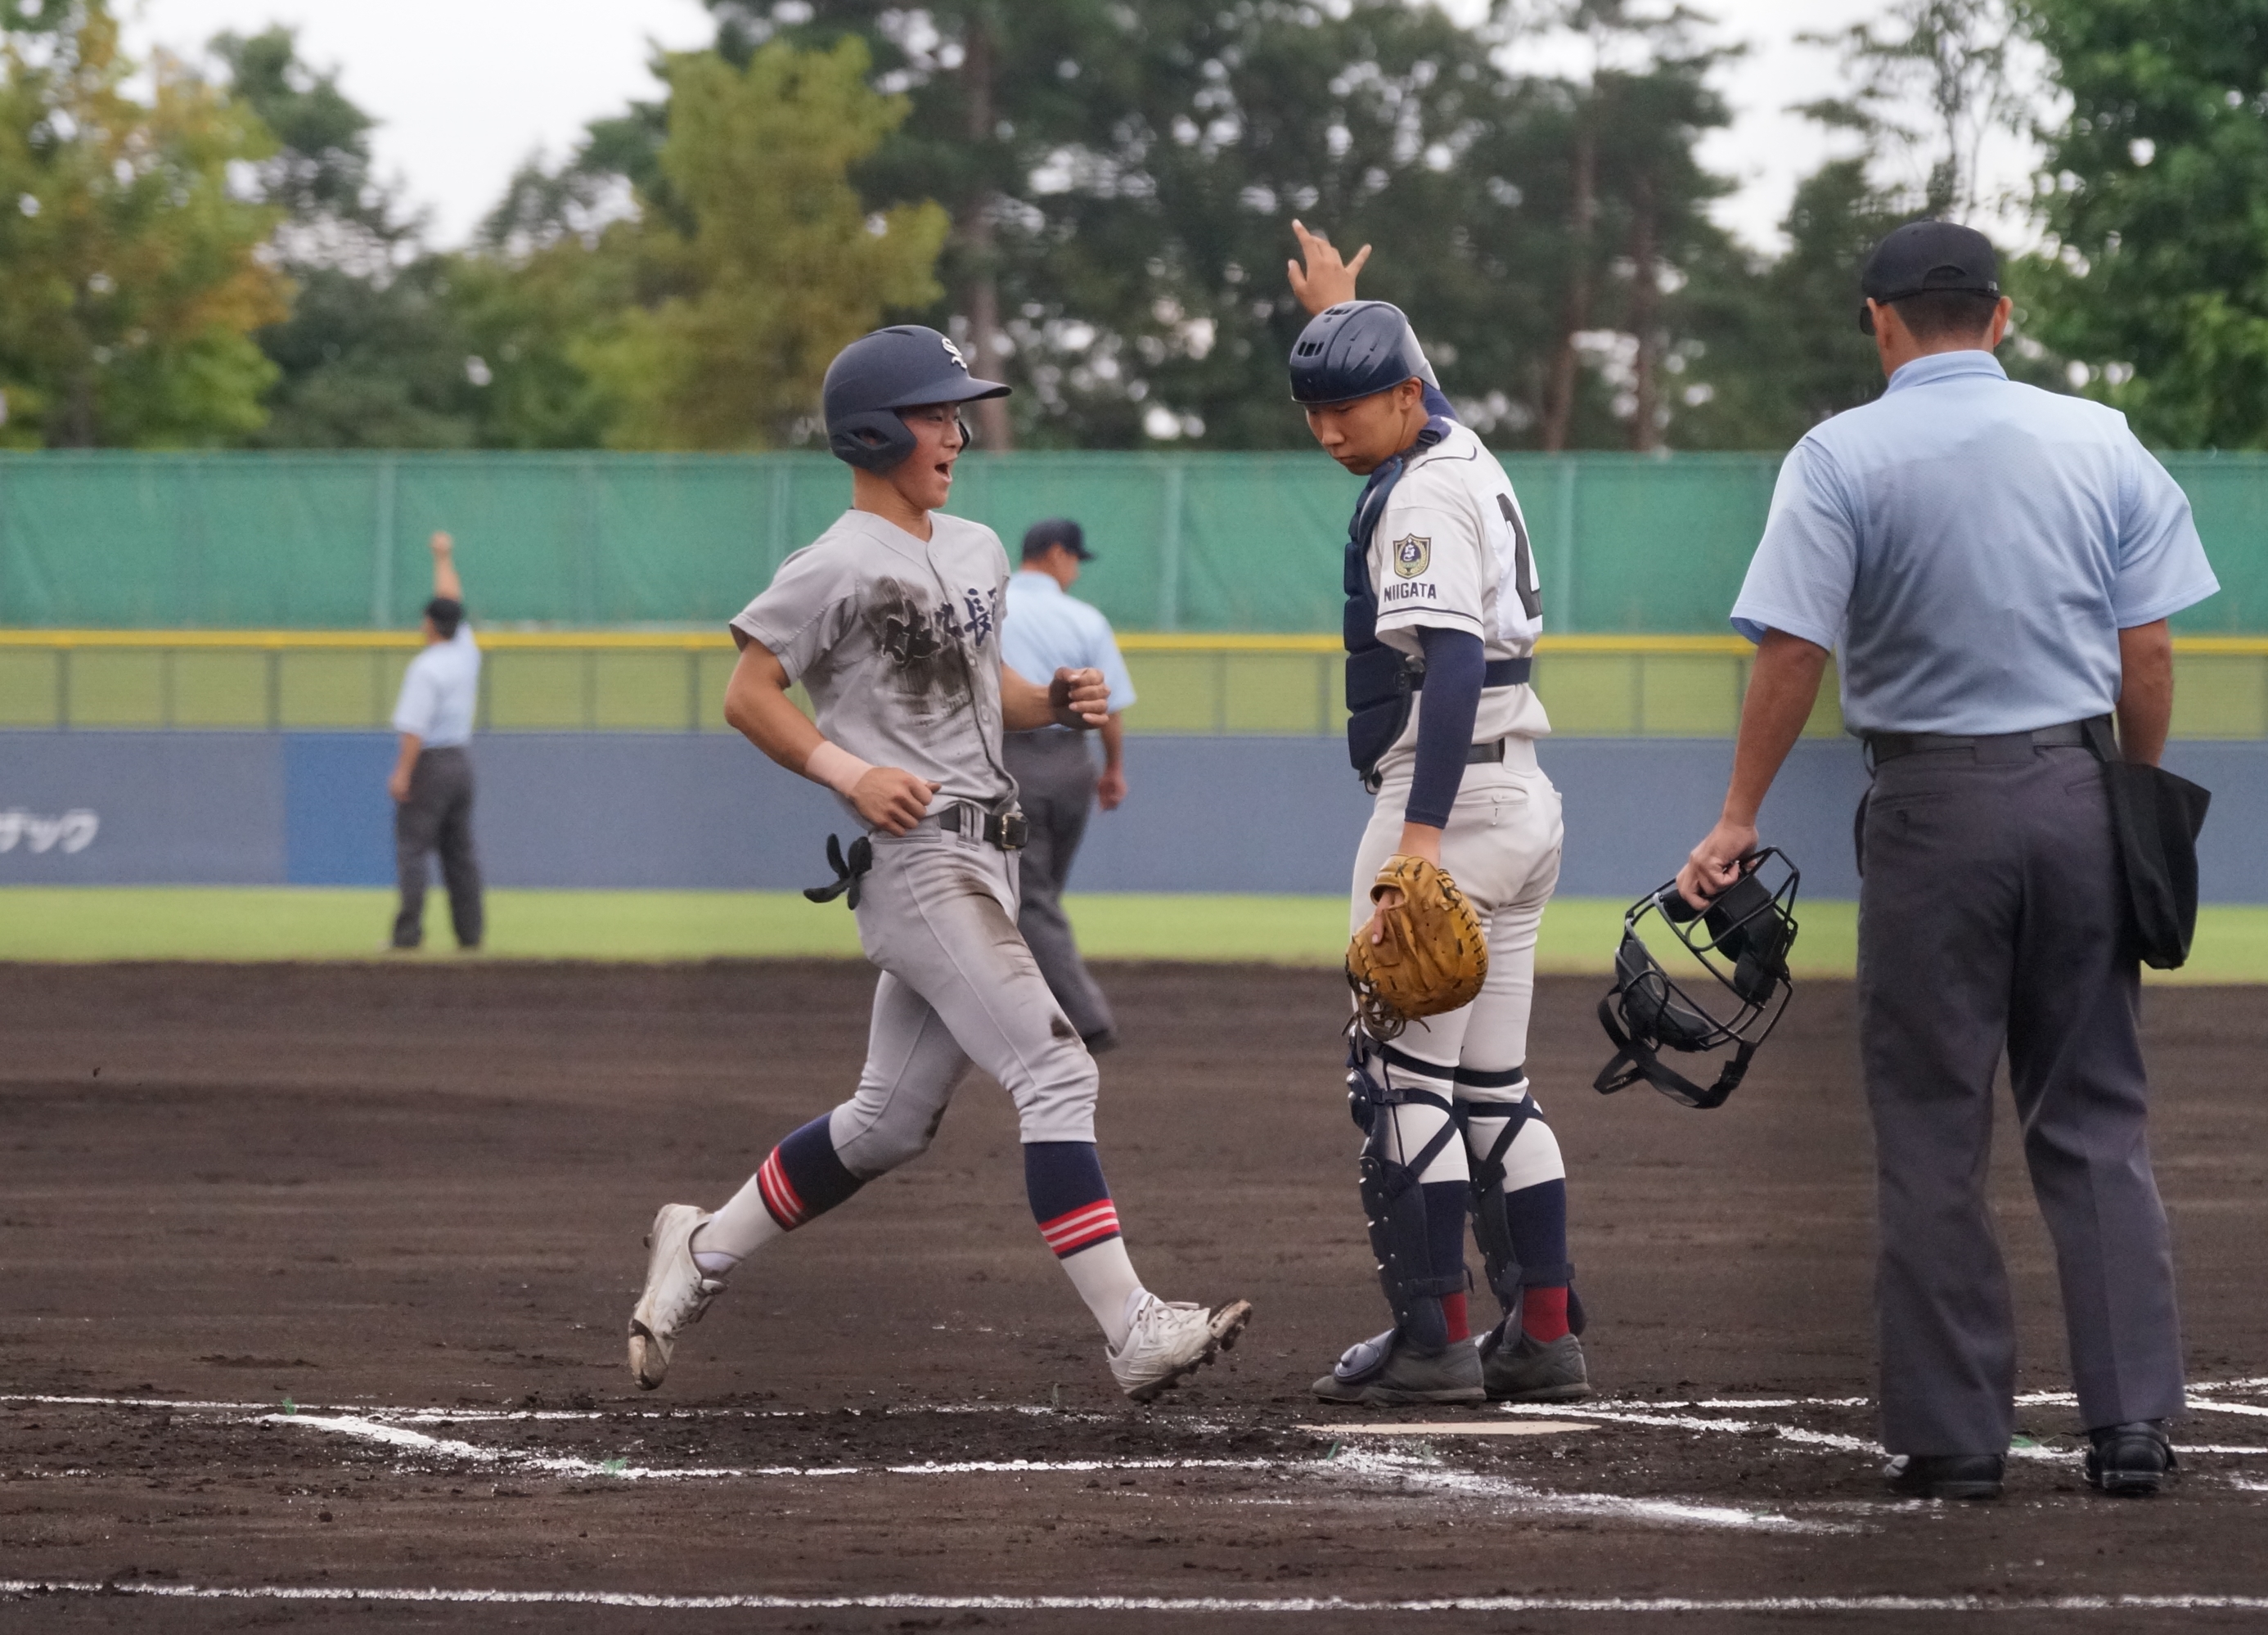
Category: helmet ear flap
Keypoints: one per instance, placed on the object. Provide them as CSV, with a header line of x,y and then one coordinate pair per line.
x,y
875,440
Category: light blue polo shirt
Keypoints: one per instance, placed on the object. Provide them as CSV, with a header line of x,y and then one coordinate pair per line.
x,y
1972,548
440,691
1047,629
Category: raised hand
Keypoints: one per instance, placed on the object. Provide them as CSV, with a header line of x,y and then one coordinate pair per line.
x,y
1328,279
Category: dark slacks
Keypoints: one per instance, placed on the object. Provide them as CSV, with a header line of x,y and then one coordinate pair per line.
x,y
437,817
1990,917
1055,774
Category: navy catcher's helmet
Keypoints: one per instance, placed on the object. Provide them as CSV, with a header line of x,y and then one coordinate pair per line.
x,y
901,367
1354,349
1742,939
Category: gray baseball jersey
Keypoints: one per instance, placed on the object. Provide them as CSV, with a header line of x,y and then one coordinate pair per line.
x,y
897,640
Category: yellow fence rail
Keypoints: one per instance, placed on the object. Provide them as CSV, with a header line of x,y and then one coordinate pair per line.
x,y
670,681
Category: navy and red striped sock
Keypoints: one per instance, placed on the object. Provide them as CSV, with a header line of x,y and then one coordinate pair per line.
x,y
1070,1198
803,1178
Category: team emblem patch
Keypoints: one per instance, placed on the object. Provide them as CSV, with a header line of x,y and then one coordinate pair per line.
x,y
1412,555
953,352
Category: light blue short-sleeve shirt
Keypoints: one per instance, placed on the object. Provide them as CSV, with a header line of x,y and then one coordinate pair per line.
x,y
440,692
1047,629
1972,548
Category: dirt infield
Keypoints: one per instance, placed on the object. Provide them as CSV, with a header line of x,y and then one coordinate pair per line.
x,y
315,1279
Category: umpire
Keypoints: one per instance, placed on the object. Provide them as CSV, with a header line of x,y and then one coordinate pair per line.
x,y
1047,629
432,779
1996,565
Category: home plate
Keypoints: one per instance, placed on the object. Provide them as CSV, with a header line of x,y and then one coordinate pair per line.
x,y
1452,1427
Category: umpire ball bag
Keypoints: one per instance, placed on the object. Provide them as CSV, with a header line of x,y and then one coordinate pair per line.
x,y
1742,941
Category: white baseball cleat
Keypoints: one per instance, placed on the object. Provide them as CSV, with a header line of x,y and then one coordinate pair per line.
x,y
1171,1340
676,1292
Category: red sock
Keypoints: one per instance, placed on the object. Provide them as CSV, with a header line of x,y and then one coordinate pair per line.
x,y
1453,1313
1544,1314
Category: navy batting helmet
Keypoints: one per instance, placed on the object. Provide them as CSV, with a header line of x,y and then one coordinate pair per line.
x,y
1354,349
901,367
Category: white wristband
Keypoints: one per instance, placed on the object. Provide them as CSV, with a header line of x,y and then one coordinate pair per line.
x,y
835,767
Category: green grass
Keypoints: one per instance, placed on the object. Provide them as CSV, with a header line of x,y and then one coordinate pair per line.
x,y
287,923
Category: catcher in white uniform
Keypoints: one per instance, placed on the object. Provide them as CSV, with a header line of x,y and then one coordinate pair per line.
x,y
891,621
1443,609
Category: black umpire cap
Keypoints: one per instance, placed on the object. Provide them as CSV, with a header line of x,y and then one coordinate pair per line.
x,y
1042,537
1923,256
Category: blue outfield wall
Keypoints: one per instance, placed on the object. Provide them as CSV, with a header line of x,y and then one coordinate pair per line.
x,y
693,811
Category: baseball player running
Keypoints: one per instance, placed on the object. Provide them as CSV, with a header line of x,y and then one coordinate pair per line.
x,y
1443,611
891,621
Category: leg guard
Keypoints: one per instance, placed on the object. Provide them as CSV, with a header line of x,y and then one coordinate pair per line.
x,y
1491,1230
1394,1206
1493,1225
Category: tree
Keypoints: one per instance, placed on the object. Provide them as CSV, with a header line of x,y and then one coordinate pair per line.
x,y
129,280
373,353
1774,346
770,262
1951,63
1135,168
996,90
2156,283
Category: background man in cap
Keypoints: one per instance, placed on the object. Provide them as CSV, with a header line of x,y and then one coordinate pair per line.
x,y
1995,565
432,779
1047,629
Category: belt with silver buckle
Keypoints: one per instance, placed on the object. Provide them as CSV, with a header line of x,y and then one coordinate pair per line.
x,y
1008,830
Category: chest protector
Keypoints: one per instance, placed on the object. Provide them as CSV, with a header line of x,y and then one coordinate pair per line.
x,y
1379,679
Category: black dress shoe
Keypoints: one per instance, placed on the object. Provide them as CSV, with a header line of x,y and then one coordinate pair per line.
x,y
2130,1461
1945,1476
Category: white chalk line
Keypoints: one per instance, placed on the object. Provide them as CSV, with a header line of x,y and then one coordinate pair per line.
x,y
481,1415
1695,1422
1246,1605
1421,1475
559,1464
1424,1475
1430,1477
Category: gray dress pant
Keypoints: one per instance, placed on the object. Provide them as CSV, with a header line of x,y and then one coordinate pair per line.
x,y
437,817
1990,916
1054,772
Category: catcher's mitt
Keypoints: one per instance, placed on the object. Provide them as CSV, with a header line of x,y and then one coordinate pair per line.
x,y
1431,959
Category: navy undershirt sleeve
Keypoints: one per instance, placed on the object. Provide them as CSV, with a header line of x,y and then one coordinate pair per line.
x,y
1456,665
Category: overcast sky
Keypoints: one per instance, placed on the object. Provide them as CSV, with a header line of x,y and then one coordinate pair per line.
x,y
465,90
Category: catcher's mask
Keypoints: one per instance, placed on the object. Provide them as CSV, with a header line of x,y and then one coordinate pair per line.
x,y
1742,940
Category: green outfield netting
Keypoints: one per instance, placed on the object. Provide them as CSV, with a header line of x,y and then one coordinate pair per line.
x,y
1229,543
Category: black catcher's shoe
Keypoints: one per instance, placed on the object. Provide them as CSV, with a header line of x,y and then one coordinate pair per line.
x,y
1382,1372
2130,1461
1945,1476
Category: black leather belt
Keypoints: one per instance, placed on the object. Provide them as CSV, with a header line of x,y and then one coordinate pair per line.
x,y
1007,830
1995,746
1497,673
1481,754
